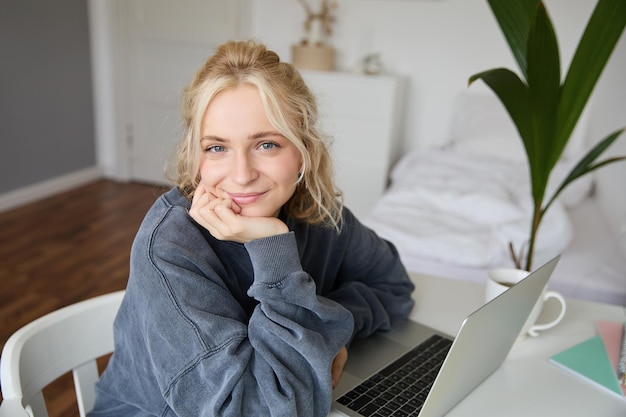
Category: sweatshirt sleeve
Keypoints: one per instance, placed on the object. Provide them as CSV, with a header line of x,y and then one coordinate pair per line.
x,y
292,329
373,283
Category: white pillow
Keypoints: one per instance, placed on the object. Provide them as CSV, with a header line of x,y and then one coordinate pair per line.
x,y
482,125
502,147
479,114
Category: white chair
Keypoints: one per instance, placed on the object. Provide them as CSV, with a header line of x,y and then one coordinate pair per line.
x,y
68,339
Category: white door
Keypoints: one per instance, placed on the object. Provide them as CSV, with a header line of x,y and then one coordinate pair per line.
x,y
168,42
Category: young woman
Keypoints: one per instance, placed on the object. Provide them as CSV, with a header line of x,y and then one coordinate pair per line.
x,y
248,278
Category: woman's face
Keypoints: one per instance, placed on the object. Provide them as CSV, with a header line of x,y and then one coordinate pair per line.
x,y
243,157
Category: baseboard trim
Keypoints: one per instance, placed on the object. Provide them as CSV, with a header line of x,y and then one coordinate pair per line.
x,y
32,193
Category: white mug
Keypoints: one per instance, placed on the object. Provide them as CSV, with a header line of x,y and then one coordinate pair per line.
x,y
501,279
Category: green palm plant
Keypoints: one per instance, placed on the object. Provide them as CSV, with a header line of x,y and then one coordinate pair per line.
x,y
543,110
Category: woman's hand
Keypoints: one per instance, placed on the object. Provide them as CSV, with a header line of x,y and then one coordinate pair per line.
x,y
222,218
338,364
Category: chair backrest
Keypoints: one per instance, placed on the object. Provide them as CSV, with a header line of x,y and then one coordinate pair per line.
x,y
68,339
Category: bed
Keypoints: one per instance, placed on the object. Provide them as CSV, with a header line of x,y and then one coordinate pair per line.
x,y
451,211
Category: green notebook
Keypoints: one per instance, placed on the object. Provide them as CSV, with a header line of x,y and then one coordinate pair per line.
x,y
589,359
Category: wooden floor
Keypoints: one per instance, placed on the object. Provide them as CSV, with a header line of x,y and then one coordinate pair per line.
x,y
64,249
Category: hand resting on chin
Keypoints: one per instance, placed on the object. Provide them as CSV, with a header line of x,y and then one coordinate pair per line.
x,y
222,218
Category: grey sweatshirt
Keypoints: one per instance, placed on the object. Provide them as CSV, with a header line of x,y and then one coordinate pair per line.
x,y
218,328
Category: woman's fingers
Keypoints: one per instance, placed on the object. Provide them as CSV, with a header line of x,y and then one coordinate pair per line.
x,y
338,364
223,219
214,214
199,194
202,207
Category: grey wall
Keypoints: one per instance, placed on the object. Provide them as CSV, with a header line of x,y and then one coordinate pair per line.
x,y
46,111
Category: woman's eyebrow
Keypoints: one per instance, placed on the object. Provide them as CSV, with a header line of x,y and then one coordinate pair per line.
x,y
262,135
213,138
254,136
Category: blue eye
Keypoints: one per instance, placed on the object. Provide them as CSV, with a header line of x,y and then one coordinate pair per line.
x,y
215,149
268,145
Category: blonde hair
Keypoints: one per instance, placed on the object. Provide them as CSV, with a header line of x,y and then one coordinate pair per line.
x,y
291,109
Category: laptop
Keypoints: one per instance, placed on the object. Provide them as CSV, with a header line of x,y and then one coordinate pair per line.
x,y
414,370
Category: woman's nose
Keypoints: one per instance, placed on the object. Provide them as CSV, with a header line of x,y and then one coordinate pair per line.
x,y
243,170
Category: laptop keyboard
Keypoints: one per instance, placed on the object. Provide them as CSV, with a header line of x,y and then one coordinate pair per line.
x,y
401,388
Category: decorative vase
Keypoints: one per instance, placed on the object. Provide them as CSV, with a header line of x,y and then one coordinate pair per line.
x,y
313,57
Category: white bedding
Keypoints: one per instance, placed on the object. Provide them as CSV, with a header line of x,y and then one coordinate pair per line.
x,y
452,215
448,207
452,212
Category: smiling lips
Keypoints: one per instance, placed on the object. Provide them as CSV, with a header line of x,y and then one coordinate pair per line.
x,y
245,198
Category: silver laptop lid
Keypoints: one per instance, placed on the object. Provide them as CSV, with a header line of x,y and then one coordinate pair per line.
x,y
484,341
481,345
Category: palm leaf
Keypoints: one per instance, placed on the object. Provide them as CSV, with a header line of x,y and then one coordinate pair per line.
x,y
544,83
514,18
596,45
586,165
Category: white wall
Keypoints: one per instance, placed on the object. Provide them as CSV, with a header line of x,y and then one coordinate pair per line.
x,y
437,45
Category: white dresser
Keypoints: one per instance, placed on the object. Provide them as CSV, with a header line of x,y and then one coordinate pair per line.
x,y
362,114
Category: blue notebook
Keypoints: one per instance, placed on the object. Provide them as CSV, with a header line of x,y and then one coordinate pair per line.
x,y
590,360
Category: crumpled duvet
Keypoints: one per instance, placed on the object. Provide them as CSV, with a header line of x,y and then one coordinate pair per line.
x,y
464,210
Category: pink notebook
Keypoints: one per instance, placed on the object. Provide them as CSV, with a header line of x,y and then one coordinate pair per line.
x,y
596,359
611,334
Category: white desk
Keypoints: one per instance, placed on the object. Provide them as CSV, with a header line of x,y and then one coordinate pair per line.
x,y
527,384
